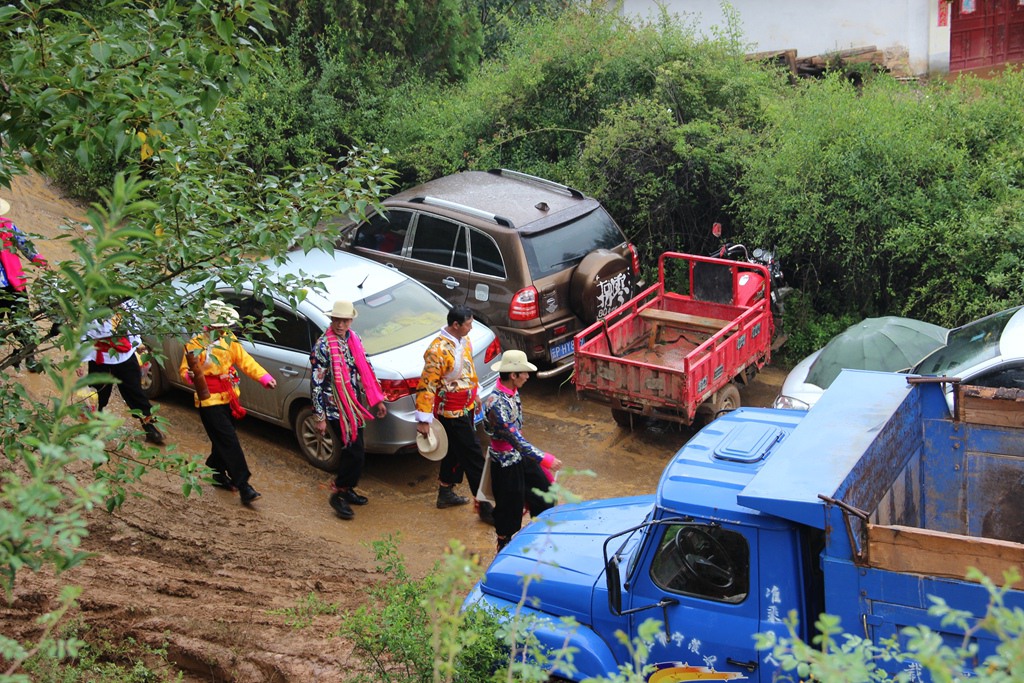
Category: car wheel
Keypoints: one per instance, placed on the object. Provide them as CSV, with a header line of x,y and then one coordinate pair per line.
x,y
628,420
317,448
152,379
601,283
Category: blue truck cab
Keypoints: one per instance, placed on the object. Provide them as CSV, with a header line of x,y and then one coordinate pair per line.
x,y
860,508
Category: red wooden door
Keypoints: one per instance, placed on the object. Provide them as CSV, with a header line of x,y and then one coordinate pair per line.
x,y
992,34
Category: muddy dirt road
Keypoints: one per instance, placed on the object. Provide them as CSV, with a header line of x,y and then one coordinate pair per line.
x,y
201,575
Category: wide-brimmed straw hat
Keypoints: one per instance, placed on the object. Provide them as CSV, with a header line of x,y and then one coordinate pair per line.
x,y
433,446
344,309
514,360
4,207
220,314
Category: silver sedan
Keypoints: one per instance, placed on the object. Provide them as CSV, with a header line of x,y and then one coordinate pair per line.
x,y
397,319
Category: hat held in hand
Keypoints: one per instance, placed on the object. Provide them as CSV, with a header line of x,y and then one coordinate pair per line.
x,y
434,445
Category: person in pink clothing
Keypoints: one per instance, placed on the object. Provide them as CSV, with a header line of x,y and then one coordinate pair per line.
x,y
341,375
13,294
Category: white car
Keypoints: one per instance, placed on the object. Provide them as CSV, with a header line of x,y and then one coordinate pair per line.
x,y
397,319
987,352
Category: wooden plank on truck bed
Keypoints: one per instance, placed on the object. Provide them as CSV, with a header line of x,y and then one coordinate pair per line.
x,y
671,317
1000,407
922,551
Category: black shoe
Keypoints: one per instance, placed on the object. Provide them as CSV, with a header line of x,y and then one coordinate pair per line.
x,y
153,435
340,506
222,481
486,514
447,498
352,497
248,494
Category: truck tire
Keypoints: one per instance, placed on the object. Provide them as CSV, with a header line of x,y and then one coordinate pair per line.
x,y
727,398
602,282
316,448
628,420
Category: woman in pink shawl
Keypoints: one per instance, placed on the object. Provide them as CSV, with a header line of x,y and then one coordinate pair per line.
x,y
341,373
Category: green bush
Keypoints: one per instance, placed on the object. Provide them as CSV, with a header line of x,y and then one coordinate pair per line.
x,y
101,657
413,630
893,199
436,37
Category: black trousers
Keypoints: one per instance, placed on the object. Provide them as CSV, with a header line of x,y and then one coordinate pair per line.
x,y
464,454
352,457
513,489
226,454
129,374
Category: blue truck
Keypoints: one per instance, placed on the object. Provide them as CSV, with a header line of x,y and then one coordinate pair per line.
x,y
860,508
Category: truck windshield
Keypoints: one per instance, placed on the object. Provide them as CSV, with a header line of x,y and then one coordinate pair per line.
x,y
703,560
967,346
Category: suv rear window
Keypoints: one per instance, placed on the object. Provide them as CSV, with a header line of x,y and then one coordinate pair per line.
x,y
555,250
398,316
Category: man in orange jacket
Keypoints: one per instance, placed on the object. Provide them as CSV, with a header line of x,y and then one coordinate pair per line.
x,y
215,353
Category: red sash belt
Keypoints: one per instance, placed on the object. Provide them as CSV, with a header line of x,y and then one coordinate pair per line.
x,y
454,401
102,346
221,384
500,446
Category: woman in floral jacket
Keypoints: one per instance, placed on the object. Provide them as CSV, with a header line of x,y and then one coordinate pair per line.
x,y
517,467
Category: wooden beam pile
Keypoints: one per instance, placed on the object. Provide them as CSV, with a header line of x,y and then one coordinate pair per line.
x,y
816,66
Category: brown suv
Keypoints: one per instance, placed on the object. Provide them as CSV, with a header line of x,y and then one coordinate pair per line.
x,y
533,259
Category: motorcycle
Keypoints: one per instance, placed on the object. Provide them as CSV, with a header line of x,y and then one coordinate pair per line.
x,y
750,288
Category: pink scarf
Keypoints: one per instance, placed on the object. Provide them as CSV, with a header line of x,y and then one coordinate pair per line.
x,y
351,414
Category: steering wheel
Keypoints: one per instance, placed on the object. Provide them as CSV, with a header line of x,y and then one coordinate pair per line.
x,y
703,559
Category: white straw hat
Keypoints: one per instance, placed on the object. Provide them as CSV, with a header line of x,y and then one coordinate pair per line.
x,y
434,445
4,207
514,360
344,309
220,314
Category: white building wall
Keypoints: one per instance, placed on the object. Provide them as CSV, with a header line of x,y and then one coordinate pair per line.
x,y
906,30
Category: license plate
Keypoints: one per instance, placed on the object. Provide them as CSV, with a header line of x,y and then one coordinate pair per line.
x,y
561,350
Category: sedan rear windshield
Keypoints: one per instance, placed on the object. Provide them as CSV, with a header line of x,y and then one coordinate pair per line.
x,y
967,346
565,246
398,316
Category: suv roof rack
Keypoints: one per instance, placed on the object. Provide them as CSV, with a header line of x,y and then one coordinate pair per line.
x,y
462,208
526,177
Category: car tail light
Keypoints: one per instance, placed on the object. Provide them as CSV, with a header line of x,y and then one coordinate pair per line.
x,y
636,259
525,305
493,351
395,389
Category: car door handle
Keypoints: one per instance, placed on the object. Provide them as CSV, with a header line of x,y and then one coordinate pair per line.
x,y
749,665
289,371
450,282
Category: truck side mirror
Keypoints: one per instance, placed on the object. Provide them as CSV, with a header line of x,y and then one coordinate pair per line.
x,y
611,572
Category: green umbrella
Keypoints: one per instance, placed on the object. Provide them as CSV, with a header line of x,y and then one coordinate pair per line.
x,y
890,344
